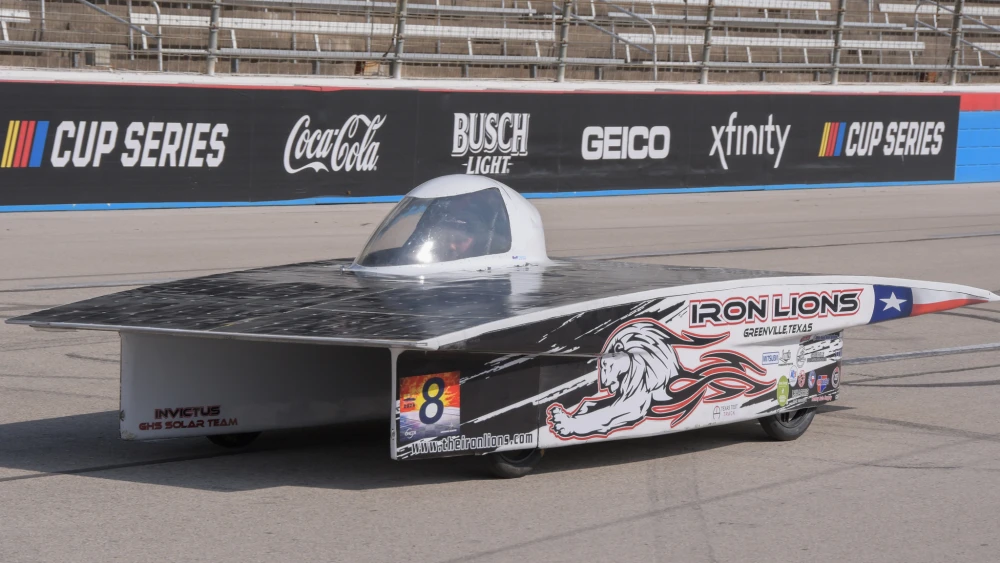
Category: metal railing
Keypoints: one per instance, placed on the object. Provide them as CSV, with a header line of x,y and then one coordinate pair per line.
x,y
659,40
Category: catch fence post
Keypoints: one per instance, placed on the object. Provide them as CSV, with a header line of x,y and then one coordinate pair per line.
x,y
567,9
838,39
159,38
213,38
956,40
397,62
706,50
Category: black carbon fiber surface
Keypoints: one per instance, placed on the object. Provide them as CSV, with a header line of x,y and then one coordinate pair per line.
x,y
320,300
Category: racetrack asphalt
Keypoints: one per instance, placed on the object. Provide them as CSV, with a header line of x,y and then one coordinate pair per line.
x,y
904,467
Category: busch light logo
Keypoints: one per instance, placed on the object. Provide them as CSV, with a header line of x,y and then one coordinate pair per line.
x,y
489,140
350,147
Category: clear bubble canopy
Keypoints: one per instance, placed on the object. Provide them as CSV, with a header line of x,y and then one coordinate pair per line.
x,y
454,223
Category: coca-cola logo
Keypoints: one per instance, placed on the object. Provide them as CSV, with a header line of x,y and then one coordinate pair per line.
x,y
349,147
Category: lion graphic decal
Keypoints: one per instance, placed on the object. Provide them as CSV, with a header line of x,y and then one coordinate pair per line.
x,y
640,378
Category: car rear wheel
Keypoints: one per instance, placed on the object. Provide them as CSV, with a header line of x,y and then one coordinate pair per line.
x,y
787,426
513,464
234,440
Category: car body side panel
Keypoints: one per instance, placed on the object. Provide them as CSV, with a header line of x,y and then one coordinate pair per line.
x,y
174,386
656,382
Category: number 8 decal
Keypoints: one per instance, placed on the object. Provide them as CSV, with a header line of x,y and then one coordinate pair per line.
x,y
432,400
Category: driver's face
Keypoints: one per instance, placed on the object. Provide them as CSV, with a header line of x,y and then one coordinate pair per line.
x,y
460,244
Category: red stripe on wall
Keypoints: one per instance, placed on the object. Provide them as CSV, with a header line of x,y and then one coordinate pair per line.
x,y
20,144
831,143
28,138
980,102
924,308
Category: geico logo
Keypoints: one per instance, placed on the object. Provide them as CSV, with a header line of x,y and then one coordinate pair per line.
x,y
350,147
151,144
625,143
478,133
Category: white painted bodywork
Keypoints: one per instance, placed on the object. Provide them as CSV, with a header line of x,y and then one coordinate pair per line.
x,y
259,386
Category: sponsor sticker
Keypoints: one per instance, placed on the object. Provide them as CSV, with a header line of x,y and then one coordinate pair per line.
x,y
821,383
812,379
429,406
797,397
786,358
782,391
724,411
770,358
835,378
802,378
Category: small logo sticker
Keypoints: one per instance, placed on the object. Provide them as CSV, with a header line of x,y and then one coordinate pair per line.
x,y
782,391
429,406
821,383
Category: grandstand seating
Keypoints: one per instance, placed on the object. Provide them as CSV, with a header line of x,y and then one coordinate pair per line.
x,y
345,28
445,37
645,39
414,8
12,16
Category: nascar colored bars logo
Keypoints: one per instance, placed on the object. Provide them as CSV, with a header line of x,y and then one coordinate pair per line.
x,y
833,138
24,145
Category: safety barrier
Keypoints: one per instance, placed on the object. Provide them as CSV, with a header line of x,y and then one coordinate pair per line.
x,y
99,146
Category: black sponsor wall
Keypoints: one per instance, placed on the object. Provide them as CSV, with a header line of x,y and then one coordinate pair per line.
x,y
75,143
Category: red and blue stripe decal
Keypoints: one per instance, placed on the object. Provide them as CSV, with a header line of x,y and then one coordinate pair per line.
x,y
833,138
24,144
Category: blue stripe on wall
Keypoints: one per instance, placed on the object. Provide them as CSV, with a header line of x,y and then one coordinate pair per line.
x,y
978,158
979,120
969,138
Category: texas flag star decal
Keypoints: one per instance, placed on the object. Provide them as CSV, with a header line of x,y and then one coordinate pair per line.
x,y
892,302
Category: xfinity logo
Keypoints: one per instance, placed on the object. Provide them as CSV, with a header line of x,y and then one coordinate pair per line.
x,y
625,143
863,138
489,140
350,147
742,140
